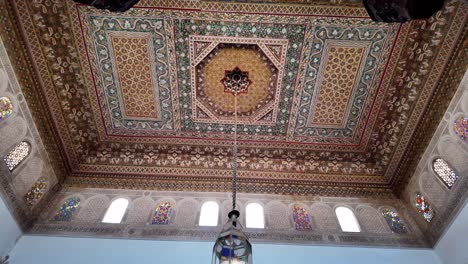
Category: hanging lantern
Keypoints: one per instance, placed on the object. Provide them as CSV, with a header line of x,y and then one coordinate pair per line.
x,y
232,245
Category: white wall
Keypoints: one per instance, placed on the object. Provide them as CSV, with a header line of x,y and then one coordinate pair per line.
x,y
452,247
9,230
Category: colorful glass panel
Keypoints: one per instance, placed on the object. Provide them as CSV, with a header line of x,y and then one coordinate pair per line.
x,y
6,108
394,221
301,218
461,128
65,212
17,155
163,213
445,172
424,208
36,192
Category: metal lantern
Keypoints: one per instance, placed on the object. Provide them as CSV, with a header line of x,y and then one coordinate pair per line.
x,y
232,245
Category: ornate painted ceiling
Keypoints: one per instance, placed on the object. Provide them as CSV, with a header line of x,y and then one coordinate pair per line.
x,y
328,102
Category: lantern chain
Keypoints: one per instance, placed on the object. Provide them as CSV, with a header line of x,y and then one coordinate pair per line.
x,y
234,158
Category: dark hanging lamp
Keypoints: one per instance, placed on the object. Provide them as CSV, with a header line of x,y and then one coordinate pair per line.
x,y
232,245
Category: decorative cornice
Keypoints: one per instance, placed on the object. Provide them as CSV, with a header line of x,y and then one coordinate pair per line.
x,y
209,234
13,41
442,96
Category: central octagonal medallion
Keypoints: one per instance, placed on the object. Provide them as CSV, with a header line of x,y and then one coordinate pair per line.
x,y
247,68
236,81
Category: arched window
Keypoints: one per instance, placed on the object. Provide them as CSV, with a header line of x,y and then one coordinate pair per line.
x,y
209,214
394,221
445,172
6,108
17,155
36,192
301,218
254,216
116,211
461,128
67,209
424,208
163,213
347,220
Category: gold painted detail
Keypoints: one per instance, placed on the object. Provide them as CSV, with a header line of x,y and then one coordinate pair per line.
x,y
340,72
249,60
133,64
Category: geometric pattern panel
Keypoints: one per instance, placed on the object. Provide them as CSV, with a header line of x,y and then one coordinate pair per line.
x,y
325,217
215,58
132,80
278,215
331,97
270,56
445,172
93,209
140,210
340,72
17,155
132,59
341,82
186,212
371,220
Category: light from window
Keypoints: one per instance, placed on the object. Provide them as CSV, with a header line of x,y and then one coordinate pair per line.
x,y
209,214
445,172
254,216
116,211
347,220
17,155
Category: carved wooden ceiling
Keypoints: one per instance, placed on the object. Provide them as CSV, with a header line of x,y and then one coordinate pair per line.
x,y
330,101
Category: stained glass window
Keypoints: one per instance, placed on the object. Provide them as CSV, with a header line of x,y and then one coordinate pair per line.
x,y
17,155
116,211
163,213
424,208
445,172
6,108
394,221
461,127
65,212
301,218
209,214
347,220
36,192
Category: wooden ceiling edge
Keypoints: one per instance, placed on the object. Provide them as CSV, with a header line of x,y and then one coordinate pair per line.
x,y
433,114
325,3
15,44
263,187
